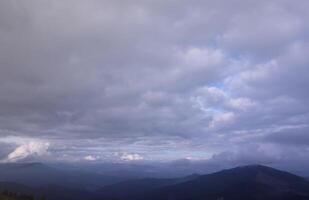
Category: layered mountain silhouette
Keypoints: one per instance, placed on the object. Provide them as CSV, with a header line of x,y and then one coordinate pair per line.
x,y
131,188
242,183
40,175
254,182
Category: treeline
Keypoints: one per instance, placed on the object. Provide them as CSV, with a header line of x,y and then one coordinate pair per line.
x,y
9,195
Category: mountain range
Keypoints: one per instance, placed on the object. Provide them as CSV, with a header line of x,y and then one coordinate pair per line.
x,y
253,182
38,175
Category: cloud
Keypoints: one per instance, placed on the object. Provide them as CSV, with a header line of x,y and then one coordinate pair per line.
x,y
90,158
222,119
197,57
165,79
131,157
241,103
30,149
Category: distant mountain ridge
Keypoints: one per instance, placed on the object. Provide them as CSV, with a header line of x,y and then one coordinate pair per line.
x,y
254,182
39,175
131,188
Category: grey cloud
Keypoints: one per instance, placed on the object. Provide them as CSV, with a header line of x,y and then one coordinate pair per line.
x,y
189,79
291,135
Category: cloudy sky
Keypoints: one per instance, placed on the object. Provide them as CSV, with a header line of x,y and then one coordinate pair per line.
x,y
107,80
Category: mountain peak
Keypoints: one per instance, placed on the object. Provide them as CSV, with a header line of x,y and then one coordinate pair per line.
x,y
253,166
256,170
243,182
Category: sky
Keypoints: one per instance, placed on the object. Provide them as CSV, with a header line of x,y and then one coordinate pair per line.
x,y
221,81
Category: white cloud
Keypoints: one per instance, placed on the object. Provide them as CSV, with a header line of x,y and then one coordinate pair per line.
x,y
241,103
90,158
215,94
131,157
222,119
208,98
34,148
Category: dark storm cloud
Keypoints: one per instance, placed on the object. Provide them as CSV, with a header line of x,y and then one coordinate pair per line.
x,y
99,80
